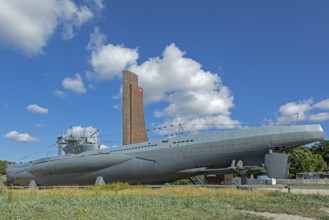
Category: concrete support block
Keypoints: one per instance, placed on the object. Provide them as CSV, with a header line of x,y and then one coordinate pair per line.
x,y
100,181
33,185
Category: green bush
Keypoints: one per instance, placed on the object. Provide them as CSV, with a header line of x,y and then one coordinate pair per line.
x,y
2,166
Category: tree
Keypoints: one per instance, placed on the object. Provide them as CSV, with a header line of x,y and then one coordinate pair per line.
x,y
2,166
303,160
322,148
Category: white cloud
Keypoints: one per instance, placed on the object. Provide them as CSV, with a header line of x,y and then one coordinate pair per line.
x,y
28,25
96,39
37,109
192,94
323,116
293,111
173,73
116,107
324,104
60,93
304,110
74,84
108,60
15,136
79,131
103,147
99,4
190,122
73,17
296,107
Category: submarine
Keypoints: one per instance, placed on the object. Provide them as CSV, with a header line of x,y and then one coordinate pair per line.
x,y
82,161
244,151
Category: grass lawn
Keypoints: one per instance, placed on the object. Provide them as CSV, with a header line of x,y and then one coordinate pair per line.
x,y
121,201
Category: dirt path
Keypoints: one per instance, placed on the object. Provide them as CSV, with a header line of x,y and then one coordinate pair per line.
x,y
303,191
277,216
280,216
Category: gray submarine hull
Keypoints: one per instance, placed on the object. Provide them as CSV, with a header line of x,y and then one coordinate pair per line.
x,y
167,160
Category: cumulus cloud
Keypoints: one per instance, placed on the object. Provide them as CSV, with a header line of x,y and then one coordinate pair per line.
x,y
96,39
103,147
294,110
322,116
304,110
73,17
37,109
20,137
108,60
75,84
192,94
98,4
79,131
324,104
28,25
60,93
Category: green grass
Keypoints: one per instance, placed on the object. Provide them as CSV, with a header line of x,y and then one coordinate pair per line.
x,y
126,202
2,178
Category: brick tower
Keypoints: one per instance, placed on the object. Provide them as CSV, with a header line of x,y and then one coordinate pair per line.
x,y
133,123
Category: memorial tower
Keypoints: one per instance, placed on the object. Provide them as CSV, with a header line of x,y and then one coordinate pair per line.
x,y
133,123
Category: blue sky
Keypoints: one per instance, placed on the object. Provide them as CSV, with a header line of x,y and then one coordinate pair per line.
x,y
203,64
